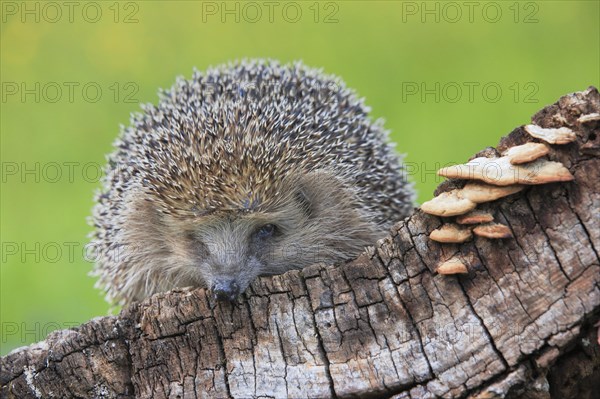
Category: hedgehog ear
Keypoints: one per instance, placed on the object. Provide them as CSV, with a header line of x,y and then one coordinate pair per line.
x,y
321,190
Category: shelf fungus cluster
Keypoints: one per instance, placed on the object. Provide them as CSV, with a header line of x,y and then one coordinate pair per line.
x,y
488,180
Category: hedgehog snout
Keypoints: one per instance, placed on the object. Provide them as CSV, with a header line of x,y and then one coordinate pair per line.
x,y
225,289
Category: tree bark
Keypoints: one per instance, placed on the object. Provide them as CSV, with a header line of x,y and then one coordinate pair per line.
x,y
519,324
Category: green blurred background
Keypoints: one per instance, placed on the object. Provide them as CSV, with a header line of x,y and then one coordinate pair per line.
x,y
449,79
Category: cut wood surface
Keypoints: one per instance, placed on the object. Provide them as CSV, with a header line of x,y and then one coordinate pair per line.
x,y
384,325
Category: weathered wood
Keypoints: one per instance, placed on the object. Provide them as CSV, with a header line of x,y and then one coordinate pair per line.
x,y
384,325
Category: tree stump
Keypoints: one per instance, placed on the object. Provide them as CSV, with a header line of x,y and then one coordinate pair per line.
x,y
519,323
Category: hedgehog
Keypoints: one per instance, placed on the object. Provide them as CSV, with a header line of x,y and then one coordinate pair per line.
x,y
252,168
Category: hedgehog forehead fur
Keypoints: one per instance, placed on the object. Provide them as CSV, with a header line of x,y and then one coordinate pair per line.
x,y
234,140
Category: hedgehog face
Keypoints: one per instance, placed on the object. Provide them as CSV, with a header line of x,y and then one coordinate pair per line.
x,y
314,219
307,223
230,250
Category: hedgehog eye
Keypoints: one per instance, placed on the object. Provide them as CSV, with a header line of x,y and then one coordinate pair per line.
x,y
266,231
190,235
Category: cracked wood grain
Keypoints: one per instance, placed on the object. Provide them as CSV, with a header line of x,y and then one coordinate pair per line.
x,y
384,325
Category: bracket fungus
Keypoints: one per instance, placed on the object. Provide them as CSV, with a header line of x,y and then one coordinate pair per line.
x,y
492,230
452,266
561,135
526,153
481,192
451,233
496,177
501,172
476,216
450,203
589,118
460,201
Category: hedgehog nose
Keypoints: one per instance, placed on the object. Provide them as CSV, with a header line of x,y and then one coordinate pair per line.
x,y
225,290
